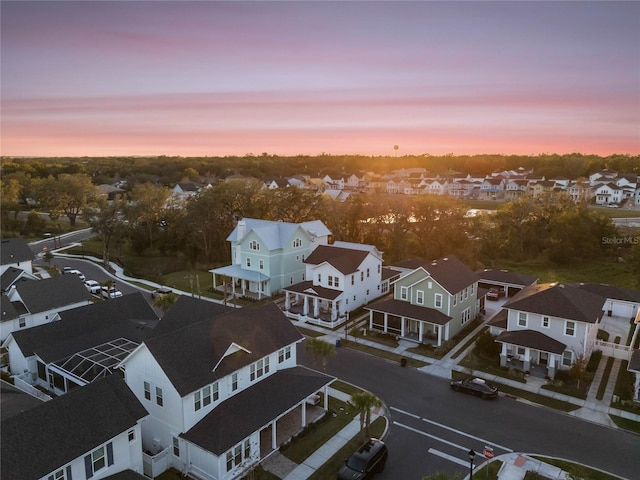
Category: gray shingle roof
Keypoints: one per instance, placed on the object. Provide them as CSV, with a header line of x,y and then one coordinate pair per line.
x,y
188,355
186,311
307,287
345,260
9,276
67,427
532,339
14,250
230,422
406,309
276,235
558,300
506,276
14,401
87,326
52,293
611,291
9,311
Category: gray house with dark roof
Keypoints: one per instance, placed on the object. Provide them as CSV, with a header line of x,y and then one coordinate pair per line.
x,y
38,302
93,432
430,303
86,344
507,280
217,390
339,278
549,326
15,252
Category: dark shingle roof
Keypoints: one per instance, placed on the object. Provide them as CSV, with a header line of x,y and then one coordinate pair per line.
x,y
189,355
506,276
14,250
9,276
449,272
229,423
51,293
406,309
186,311
9,311
532,339
87,326
14,401
558,300
499,320
345,260
67,427
309,288
611,291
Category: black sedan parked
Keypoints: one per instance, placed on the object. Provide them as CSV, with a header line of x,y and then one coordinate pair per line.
x,y
475,386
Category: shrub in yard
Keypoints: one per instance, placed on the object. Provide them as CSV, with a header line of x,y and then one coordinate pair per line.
x,y
487,346
594,361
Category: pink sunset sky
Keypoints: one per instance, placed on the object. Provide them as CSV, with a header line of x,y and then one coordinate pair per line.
x,y
229,78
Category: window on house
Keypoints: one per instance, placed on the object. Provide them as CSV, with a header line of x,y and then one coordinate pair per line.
x,y
466,315
319,278
420,297
367,273
254,245
247,448
234,382
22,322
131,435
336,281
367,291
98,459
330,281
248,261
545,322
215,394
61,474
353,279
472,288
429,284
522,319
197,400
297,243
284,354
570,328
567,358
147,391
437,302
403,293
362,276
176,447
378,268
258,369
237,454
206,396
261,264
455,300
159,399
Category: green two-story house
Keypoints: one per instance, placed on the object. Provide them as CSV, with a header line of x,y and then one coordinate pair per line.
x,y
431,302
266,256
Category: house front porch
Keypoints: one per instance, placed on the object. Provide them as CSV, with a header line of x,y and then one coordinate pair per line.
x,y
315,305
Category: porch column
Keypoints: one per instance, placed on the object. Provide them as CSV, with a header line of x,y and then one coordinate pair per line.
x,y
503,355
274,443
214,281
287,301
527,359
420,330
334,311
326,397
370,319
551,367
316,307
304,414
439,335
305,306
243,285
233,285
260,288
402,320
386,322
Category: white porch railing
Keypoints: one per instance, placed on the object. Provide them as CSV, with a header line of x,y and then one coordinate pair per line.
x,y
620,352
30,389
154,465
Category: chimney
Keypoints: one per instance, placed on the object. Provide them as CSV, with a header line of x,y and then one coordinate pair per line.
x,y
242,227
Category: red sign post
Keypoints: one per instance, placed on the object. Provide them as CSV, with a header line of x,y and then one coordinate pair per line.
x,y
488,453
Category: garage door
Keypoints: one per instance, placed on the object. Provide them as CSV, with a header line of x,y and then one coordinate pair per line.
x,y
620,309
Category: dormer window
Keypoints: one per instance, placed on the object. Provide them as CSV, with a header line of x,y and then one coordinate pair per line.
x,y
254,245
297,243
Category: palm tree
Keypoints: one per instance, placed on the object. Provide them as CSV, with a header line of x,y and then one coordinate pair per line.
x,y
320,348
165,301
363,403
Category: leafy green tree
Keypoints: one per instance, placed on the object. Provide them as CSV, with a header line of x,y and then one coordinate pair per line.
x,y
147,203
579,370
65,195
10,191
363,402
321,349
106,218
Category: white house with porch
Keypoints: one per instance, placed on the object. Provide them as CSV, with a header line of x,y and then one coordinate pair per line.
x,y
339,278
266,256
222,392
548,326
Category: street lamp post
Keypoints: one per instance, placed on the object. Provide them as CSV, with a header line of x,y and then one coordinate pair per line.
x,y
472,455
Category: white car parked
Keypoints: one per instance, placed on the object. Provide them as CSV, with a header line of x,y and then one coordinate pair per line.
x,y
92,286
111,292
76,272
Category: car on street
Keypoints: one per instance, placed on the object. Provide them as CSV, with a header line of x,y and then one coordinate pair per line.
x,y
495,294
369,459
475,386
158,292
92,286
75,272
111,292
